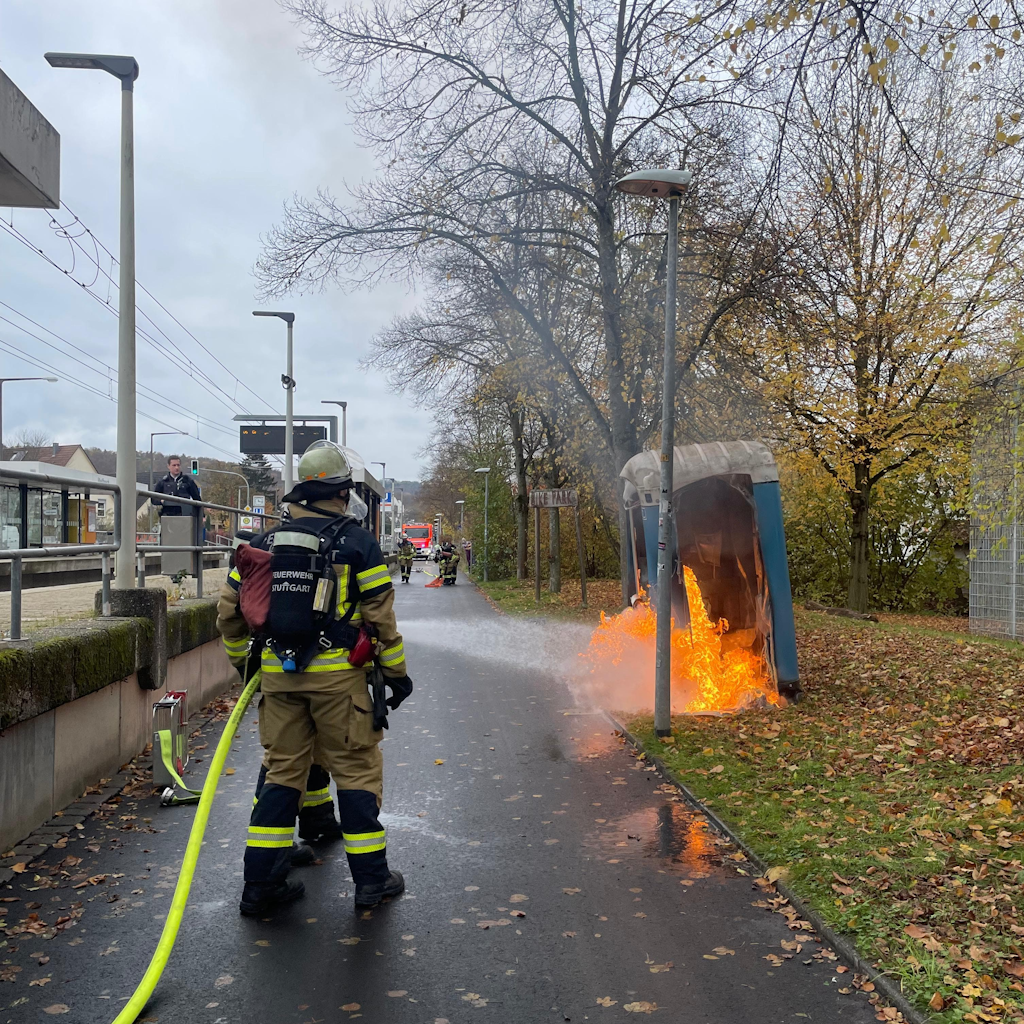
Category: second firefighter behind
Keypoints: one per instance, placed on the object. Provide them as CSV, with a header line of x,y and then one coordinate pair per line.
x,y
318,698
406,553
448,563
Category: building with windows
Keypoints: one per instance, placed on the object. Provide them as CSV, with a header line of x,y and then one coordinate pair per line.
x,y
45,515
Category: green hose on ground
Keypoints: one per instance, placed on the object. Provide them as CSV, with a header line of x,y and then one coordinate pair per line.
x,y
140,997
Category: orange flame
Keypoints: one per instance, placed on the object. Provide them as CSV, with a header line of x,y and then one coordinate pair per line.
x,y
708,675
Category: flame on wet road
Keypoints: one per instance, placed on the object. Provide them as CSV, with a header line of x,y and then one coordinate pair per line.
x,y
710,672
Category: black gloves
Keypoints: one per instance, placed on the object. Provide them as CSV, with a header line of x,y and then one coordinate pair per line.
x,y
401,688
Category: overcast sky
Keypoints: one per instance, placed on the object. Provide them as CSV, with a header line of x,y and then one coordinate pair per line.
x,y
229,123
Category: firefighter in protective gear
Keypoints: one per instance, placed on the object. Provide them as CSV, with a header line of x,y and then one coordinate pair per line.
x,y
316,818
405,556
327,706
448,563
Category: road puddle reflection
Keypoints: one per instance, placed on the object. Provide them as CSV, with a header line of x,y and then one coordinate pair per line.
x,y
670,832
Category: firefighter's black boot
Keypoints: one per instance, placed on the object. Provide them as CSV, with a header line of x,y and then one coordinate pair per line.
x,y
366,848
260,898
318,824
316,819
268,851
302,855
371,895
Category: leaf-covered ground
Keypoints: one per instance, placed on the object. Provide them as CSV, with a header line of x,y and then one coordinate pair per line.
x,y
517,598
893,797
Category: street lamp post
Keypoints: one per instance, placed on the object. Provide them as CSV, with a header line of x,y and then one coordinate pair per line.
x,y
344,418
664,184
486,470
462,514
126,69
288,381
3,381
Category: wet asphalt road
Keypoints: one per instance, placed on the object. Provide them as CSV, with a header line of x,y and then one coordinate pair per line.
x,y
605,895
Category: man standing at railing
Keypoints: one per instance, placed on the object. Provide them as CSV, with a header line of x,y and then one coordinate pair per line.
x,y
177,485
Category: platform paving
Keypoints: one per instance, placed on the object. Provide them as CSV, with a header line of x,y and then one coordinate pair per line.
x,y
551,877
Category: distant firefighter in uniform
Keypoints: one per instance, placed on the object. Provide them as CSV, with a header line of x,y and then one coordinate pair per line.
x,y
448,563
330,592
405,556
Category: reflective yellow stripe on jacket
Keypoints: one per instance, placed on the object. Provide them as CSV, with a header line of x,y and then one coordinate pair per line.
x,y
334,660
393,655
236,648
373,581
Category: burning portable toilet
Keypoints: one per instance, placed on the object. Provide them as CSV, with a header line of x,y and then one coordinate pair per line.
x,y
729,533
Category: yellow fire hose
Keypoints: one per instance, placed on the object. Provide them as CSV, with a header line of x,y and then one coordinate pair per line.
x,y
140,997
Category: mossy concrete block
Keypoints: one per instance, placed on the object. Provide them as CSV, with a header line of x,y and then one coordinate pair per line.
x,y
61,664
191,624
149,607
17,701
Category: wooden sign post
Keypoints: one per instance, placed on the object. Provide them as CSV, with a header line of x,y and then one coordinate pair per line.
x,y
554,500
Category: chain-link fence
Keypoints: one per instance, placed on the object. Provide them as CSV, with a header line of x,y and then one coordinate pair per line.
x,y
997,530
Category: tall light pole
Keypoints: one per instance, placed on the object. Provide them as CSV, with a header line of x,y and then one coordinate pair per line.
x,y
3,381
462,514
344,418
383,472
126,69
288,382
664,184
486,470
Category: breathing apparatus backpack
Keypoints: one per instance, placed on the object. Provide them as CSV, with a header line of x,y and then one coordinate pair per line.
x,y
300,620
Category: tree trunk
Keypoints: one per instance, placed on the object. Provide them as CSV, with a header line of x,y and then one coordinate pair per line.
x,y
554,551
521,501
860,507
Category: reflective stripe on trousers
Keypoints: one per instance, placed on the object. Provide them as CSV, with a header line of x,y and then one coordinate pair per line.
x,y
316,797
364,842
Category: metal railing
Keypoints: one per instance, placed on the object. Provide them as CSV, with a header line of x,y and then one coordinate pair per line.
x,y
197,550
81,483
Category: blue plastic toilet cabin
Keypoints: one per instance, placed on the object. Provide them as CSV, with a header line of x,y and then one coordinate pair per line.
x,y
727,507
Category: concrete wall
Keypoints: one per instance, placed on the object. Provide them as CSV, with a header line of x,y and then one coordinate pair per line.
x,y
29,152
47,761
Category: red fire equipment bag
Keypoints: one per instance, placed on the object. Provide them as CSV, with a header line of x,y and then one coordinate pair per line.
x,y
253,565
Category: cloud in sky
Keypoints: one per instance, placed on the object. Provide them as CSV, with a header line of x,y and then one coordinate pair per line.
x,y
229,123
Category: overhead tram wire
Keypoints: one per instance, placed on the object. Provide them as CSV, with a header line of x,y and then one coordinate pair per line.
x,y
97,243
185,364
40,365
143,288
73,239
111,373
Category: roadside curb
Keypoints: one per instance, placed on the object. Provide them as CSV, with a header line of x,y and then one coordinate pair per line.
x,y
487,597
883,984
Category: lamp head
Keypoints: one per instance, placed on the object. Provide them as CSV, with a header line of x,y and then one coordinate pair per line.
x,y
658,182
288,318
483,469
125,68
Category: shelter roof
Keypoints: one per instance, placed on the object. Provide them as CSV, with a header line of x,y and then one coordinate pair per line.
x,y
694,462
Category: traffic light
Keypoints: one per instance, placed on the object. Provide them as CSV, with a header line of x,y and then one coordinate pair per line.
x,y
195,467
